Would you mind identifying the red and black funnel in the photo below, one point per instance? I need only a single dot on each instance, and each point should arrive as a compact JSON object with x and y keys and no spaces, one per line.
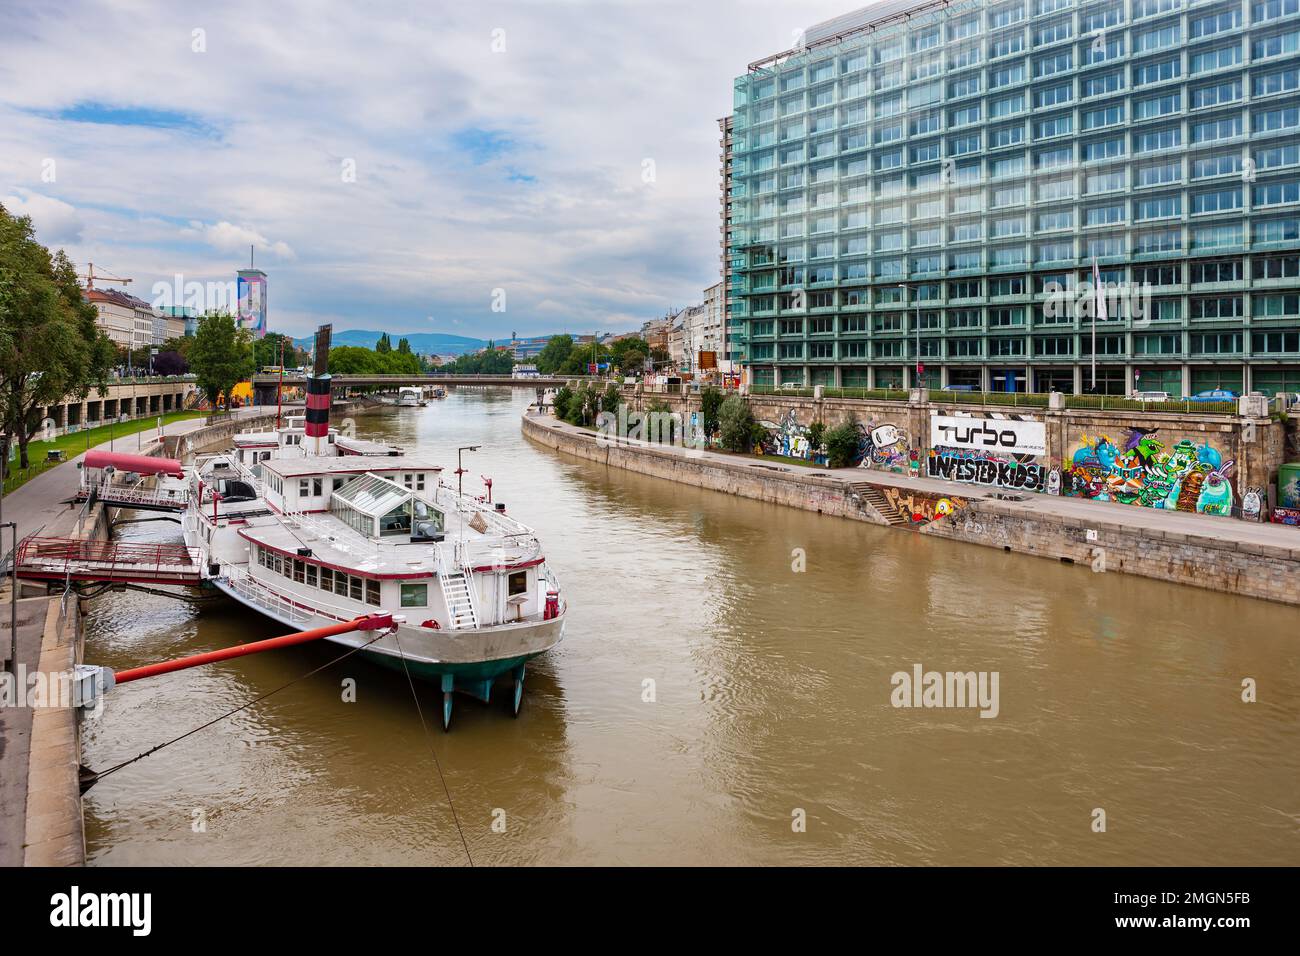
{"x":318,"y":392}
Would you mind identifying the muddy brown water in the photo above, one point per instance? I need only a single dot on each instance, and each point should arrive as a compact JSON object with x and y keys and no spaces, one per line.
{"x":708,"y":696}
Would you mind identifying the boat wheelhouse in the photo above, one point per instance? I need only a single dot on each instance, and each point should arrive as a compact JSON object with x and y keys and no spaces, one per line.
{"x":289,"y":441}
{"x":408,"y":396}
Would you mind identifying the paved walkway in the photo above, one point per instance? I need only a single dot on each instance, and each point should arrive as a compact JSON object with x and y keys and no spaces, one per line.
{"x":1078,"y":509}
{"x":40,"y":505}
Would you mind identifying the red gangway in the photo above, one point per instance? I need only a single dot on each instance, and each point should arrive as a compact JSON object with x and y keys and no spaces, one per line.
{"x":60,"y":559}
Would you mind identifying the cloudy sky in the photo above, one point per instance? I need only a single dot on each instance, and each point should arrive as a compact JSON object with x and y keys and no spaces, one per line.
{"x":393,"y":164}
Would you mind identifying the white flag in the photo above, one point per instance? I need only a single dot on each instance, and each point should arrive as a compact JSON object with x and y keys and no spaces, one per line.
{"x":1099,"y":294}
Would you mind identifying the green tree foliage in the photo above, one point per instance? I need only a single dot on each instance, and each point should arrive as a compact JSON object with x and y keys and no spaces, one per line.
{"x":404,"y":346}
{"x":222,"y":355}
{"x":816,"y":436}
{"x":384,"y":345}
{"x":612,"y":398}
{"x":562,"y":400}
{"x":490,"y":361}
{"x":842,"y":444}
{"x":554,"y":354}
{"x":710,"y":401}
{"x":582,"y":356}
{"x":629,"y":354}
{"x":356,"y":360}
{"x":736,"y":424}
{"x":50,"y":344}
{"x":266,"y":352}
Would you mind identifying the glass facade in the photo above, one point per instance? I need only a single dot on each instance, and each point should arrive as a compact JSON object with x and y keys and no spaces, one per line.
{"x":942,"y":188}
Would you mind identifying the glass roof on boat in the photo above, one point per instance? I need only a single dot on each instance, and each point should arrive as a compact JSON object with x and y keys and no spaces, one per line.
{"x":372,"y":495}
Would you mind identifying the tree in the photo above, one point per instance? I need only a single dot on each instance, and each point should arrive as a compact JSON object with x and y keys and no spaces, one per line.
{"x":267,"y":351}
{"x":554,"y":354}
{"x":736,"y":424}
{"x":50,"y":344}
{"x":710,"y":402}
{"x":222,"y":354}
{"x":561,"y":402}
{"x":385,"y":344}
{"x":404,"y":346}
{"x":170,"y":363}
{"x":842,"y":444}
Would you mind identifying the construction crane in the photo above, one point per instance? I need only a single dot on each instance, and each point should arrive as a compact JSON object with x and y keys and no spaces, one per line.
{"x":90,"y":277}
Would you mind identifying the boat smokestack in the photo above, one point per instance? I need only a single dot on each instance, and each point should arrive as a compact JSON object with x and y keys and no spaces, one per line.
{"x":317,"y":424}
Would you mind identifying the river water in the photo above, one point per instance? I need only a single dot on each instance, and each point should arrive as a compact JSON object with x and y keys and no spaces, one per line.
{"x":713,"y":704}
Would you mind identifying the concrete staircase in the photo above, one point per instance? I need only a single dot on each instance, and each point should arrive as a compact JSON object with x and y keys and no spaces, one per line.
{"x":873,"y":495}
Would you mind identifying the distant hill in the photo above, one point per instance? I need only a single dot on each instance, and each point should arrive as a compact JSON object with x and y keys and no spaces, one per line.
{"x":435,"y":343}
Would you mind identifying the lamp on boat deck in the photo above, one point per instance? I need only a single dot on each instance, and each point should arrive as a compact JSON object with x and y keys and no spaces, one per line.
{"x":460,"y":506}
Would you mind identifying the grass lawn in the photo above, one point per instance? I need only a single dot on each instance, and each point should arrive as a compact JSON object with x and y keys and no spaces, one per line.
{"x":76,"y":443}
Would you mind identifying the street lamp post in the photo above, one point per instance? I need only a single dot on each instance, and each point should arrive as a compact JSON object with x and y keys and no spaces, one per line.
{"x":460,"y":470}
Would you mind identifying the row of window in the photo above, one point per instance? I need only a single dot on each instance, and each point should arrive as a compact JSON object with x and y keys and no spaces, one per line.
{"x":1281,"y":342}
{"x":1262,"y":268}
{"x":767,"y":128}
{"x":350,"y":586}
{"x":1281,"y":305}
{"x":1169,"y":240}
{"x":797,"y":194}
{"x":923,"y":40}
{"x":893,"y":127}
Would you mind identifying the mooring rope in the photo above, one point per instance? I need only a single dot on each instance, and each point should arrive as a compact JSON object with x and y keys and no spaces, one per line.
{"x":95,"y":777}
{"x":433,"y":752}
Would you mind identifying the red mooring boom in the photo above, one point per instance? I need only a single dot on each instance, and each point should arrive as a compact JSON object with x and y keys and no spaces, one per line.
{"x":371,"y":622}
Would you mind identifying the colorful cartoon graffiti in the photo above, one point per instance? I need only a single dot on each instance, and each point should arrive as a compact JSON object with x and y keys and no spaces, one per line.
{"x":920,"y":509}
{"x":883,"y":445}
{"x":982,"y":468}
{"x":1144,"y":472}
{"x":787,"y":437}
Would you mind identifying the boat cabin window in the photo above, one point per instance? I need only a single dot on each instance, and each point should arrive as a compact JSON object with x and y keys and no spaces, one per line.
{"x":310,"y":486}
{"x":518,"y":583}
{"x":414,"y":481}
{"x":415,"y":595}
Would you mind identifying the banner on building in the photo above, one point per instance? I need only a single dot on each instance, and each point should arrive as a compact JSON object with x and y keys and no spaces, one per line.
{"x":1002,"y":436}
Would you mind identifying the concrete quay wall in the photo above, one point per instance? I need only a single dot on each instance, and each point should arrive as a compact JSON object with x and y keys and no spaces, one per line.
{"x":1101,"y":541}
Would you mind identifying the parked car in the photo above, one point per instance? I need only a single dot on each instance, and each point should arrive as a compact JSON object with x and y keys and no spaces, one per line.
{"x":1215,"y":395}
{"x":1150,"y":396}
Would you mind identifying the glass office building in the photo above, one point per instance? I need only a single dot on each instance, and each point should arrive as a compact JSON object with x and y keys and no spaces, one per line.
{"x":937,"y":184}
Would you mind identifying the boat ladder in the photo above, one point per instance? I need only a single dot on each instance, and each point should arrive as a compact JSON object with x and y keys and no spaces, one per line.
{"x":458,"y":591}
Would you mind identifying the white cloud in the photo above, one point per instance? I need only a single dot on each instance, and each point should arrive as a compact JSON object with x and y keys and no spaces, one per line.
{"x":228,"y":237}
{"x":56,"y":222}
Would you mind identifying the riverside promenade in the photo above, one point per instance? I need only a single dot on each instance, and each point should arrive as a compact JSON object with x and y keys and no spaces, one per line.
{"x":40,"y":753}
{"x":1223,"y":554}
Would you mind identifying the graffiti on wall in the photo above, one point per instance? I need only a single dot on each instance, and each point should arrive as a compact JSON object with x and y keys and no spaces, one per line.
{"x":786,"y":437}
{"x":1021,"y":473}
{"x":1001,"y":451}
{"x":883,"y":445}
{"x":920,"y":508}
{"x":1143,"y":470}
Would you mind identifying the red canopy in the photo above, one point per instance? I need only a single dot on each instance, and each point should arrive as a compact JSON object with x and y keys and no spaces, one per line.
{"x":140,"y":464}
